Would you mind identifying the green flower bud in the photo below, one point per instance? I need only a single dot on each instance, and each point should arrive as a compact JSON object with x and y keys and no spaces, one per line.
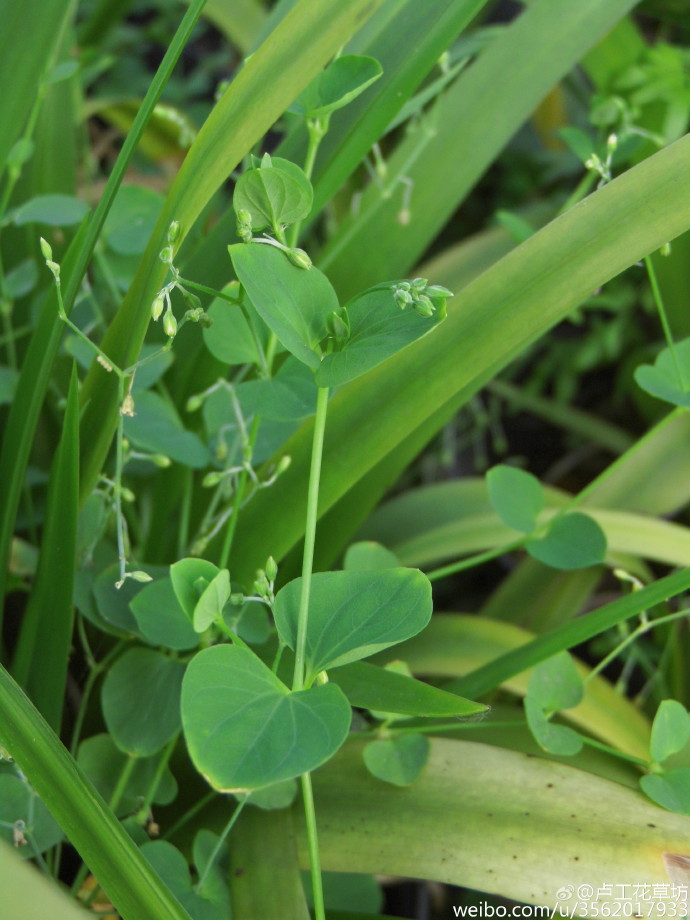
{"x":419,"y":284}
{"x":157,"y":308}
{"x":271,"y":568}
{"x":437,"y":290}
{"x":170,"y":324}
{"x":211,"y":479}
{"x":191,"y":300}
{"x":128,"y":495}
{"x":143,"y":577}
{"x":54,"y":267}
{"x":299,"y":258}
{"x":283,"y":464}
{"x":402,"y":298}
{"x":194,"y":403}
{"x":161,"y":461}
{"x":237,"y":600}
{"x":166,"y":254}
{"x":173,"y":231}
{"x":47,"y":250}
{"x":665,"y":250}
{"x":424,"y":306}
{"x":127,"y":407}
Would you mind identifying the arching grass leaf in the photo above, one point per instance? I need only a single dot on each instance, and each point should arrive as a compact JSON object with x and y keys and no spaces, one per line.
{"x":245,"y":729}
{"x":354,"y":614}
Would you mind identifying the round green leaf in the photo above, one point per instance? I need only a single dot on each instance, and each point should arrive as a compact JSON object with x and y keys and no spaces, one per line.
{"x":555,"y":683}
{"x":131,"y":219}
{"x":291,"y":394}
{"x":272,"y":197}
{"x":378,"y":330}
{"x":670,"y":730}
{"x":186,"y":577}
{"x":369,"y":556}
{"x":54,"y":210}
{"x":208,"y":847}
{"x":244,"y":728}
{"x":293,"y":302}
{"x":229,"y":337}
{"x":172,"y":867}
{"x":113,"y":603}
{"x":209,"y":607}
{"x":397,"y":760}
{"x":354,"y":614}
{"x":156,"y":426}
{"x":141,"y":701}
{"x":670,"y":789}
{"x":556,"y":739}
{"x":271,"y":798}
{"x":342,"y":81}
{"x":516,"y":496}
{"x":103,"y":763}
{"x":20,"y":806}
{"x":574,"y":541}
{"x":661,"y":379}
{"x":160,"y":618}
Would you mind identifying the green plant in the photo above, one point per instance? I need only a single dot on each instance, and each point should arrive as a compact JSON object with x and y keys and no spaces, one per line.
{"x":240,"y":377}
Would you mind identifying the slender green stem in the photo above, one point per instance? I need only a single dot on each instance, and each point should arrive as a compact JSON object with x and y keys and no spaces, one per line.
{"x":600,"y":746}
{"x":212,"y":292}
{"x":659,"y":301}
{"x":221,"y":840}
{"x":188,"y":815}
{"x":635,"y":634}
{"x":316,"y":129}
{"x":310,"y":535}
{"x":239,"y":495}
{"x":313,"y":846}
{"x":163,"y":762}
{"x":477,"y":559}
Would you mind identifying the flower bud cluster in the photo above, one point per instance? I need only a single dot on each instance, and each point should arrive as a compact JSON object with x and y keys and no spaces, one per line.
{"x":423,"y":297}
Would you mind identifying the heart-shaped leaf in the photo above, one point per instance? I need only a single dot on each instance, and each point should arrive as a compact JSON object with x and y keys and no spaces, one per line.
{"x":556,"y":739}
{"x":188,"y":576}
{"x":378,"y":330}
{"x":662,"y":378}
{"x":172,"y":867}
{"x":293,"y":302}
{"x":516,"y":496}
{"x":397,"y":760}
{"x":670,"y":730}
{"x":230,"y":337}
{"x":354,"y":614}
{"x":554,"y":685}
{"x":341,"y":82}
{"x":368,"y":555}
{"x":141,"y":701}
{"x":245,"y":729}
{"x":160,"y":617}
{"x":574,"y":541}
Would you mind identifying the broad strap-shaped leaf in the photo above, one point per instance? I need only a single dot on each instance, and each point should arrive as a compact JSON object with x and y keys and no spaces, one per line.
{"x":141,"y":701}
{"x":341,"y":82}
{"x":574,"y":541}
{"x":516,"y":496}
{"x":379,"y":328}
{"x":354,"y":614}
{"x":245,"y":729}
{"x":293,"y":302}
